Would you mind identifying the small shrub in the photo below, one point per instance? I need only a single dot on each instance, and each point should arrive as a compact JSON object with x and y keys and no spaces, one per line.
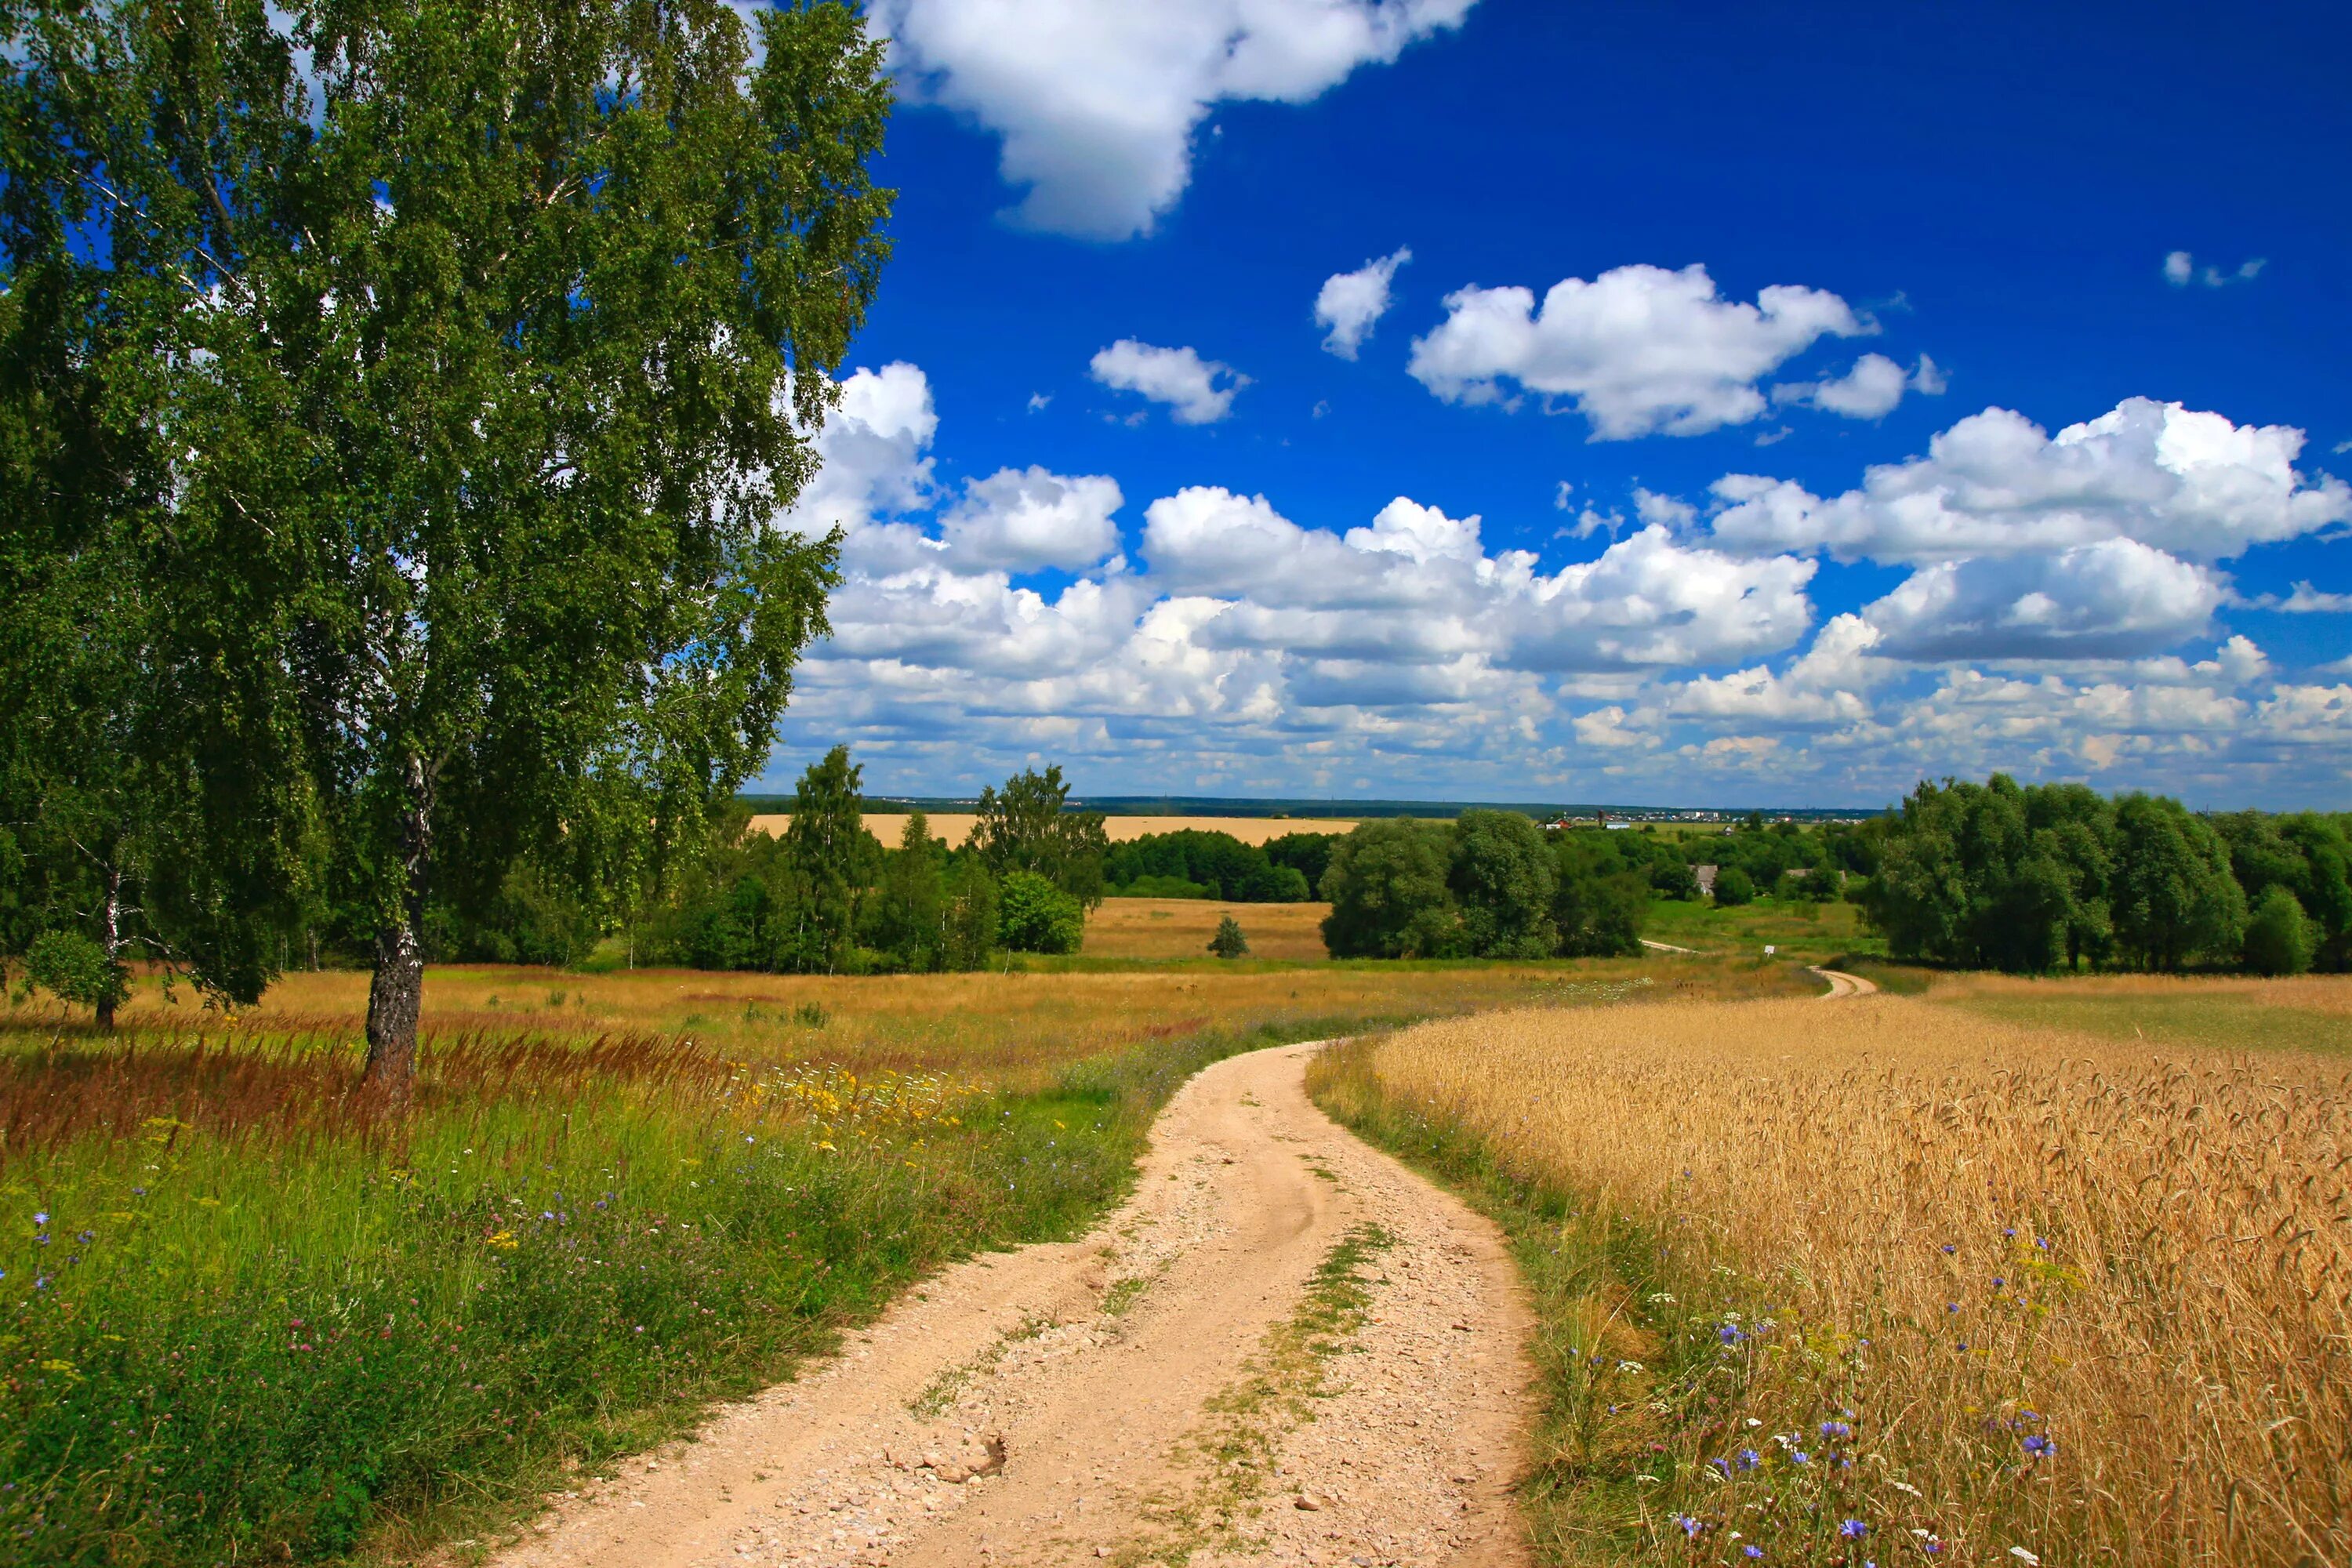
{"x":1035,"y":916}
{"x":72,"y":968}
{"x":1732,"y":887}
{"x":2279,"y":938}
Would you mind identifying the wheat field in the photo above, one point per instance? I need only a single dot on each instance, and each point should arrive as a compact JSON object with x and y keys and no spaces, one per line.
{"x":1945,"y":1287}
{"x":955,"y":827}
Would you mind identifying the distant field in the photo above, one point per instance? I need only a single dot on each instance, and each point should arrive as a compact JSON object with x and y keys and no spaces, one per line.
{"x":955,"y":827}
{"x":1813,"y":931}
{"x":2310,"y":1012}
{"x":1181,"y":928}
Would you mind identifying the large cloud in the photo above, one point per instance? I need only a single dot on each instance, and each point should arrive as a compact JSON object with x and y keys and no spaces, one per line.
{"x":1097,"y":101}
{"x":2108,"y":600}
{"x":2190,"y":483}
{"x":1638,"y":350}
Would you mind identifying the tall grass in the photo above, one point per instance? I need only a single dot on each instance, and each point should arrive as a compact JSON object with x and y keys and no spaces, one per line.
{"x":1881,"y":1281}
{"x":239,"y":1321}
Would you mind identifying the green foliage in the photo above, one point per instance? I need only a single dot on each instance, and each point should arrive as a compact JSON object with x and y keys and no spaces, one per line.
{"x":972,"y":915}
{"x":2174,"y":900}
{"x":1733,"y":888}
{"x":1229,"y":942}
{"x":1035,"y":916}
{"x":1387,"y":888}
{"x":907,"y":917}
{"x":2279,"y":935}
{"x":1599,"y":904}
{"x":1308,"y":854}
{"x":482,"y":381}
{"x":834,"y":861}
{"x":1674,"y":879}
{"x":1217,"y":864}
{"x":1501,"y":874}
{"x":1029,"y":828}
{"x":72,"y":968}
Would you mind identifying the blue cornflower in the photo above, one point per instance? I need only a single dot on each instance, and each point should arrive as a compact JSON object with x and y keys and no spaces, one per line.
{"x":87,"y":1236}
{"x":1691,"y":1527}
{"x":2041,"y":1448}
{"x":1720,"y":1467}
{"x":40,"y":1217}
{"x":1998,"y":1281}
{"x":138,"y":1191}
{"x":1750,"y":1458}
{"x":1951,"y":1306}
{"x":1852,"y":1529}
{"x":2029,"y":1415}
{"x":1798,"y":1455}
{"x":2011,"y":1233}
{"x":1836,"y":1429}
{"x":1730,"y":1333}
{"x":2042,"y":1242}
{"x":1949,"y":1247}
{"x":1751,"y":1551}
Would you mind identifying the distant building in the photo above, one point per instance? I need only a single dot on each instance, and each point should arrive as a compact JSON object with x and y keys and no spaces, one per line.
{"x":1704,"y":876}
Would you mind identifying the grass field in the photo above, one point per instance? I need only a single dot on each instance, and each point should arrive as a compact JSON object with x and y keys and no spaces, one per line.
{"x":1811,"y":931}
{"x":2311,"y":1013}
{"x":240,"y":1320}
{"x":1181,"y":928}
{"x":1893,"y":1279}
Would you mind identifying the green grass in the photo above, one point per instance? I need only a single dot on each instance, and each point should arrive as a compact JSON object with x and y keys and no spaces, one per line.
{"x":1813,"y":933}
{"x":305,"y":1340}
{"x":2229,"y":1021}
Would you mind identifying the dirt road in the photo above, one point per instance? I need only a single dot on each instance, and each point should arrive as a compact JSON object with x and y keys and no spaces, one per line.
{"x":1843,"y":984}
{"x":1286,"y":1348}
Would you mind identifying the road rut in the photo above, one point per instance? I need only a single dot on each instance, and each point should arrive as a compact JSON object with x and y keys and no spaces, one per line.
{"x":1157,"y":1391}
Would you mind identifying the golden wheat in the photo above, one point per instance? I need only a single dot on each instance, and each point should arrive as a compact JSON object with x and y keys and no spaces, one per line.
{"x":2084,"y":1300}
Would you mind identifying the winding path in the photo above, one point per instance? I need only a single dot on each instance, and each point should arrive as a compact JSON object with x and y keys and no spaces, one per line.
{"x":1164,"y":1387}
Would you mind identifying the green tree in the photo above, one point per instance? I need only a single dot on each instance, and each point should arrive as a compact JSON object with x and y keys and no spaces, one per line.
{"x":1308,"y":854}
{"x":1599,"y":902}
{"x":1387,"y":888}
{"x":2174,"y":899}
{"x":909,"y":909}
{"x":1229,"y":942}
{"x":1030,"y":827}
{"x":489,"y":339}
{"x":972,"y":914}
{"x":1035,"y":916}
{"x":2279,"y":936}
{"x":1674,"y":879}
{"x":833,"y":860}
{"x":1502,"y":876}
{"x":1733,"y":888}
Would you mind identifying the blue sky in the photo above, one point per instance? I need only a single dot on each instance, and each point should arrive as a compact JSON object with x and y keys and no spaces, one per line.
{"x":1933,"y":391}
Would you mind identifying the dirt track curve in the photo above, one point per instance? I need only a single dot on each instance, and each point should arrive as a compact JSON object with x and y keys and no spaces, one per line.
{"x":1843,"y":984}
{"x":1182,"y":1383}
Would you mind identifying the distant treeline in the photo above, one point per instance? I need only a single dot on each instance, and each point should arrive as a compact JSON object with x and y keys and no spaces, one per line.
{"x":1197,"y":863}
{"x":1489,"y":884}
{"x":2033,"y":877}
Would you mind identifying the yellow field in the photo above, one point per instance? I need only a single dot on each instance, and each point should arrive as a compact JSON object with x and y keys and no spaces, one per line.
{"x":955,"y":827}
{"x":1181,"y":928}
{"x":1013,"y":1029}
{"x":1965,"y":1240}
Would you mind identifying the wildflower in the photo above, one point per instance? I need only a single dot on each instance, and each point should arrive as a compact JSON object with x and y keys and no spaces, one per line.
{"x":1852,"y":1529}
{"x":40,"y":1217}
{"x":1690,"y":1526}
{"x":1750,"y":1458}
{"x":1949,"y":1247}
{"x":2040,"y":1447}
{"x":1798,"y":1455}
{"x":1998,"y":1281}
{"x":1951,"y":1306}
{"x":2023,"y":1555}
{"x":1751,"y":1551}
{"x":1730,"y":1333}
{"x":1836,"y":1429}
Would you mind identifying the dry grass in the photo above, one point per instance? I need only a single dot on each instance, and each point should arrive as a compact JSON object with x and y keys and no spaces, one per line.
{"x":1013,"y":1031}
{"x":955,"y":827}
{"x":1964,"y":1234}
{"x":1181,"y":928}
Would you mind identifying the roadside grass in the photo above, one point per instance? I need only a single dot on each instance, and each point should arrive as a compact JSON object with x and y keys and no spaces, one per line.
{"x":1883,"y":1280}
{"x":1814,"y":932}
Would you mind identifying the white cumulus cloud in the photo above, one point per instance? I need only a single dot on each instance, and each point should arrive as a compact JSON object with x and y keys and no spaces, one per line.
{"x":2111,"y":599}
{"x":1027,"y":519}
{"x":1350,"y":303}
{"x":1097,"y":101}
{"x":1869,"y":391}
{"x":1197,"y":391}
{"x":1996,"y":483}
{"x":1638,"y":350}
{"x":2180,"y":270}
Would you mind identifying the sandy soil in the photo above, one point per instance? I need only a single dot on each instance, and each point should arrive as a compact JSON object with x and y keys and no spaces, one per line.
{"x":1156,"y":1392}
{"x":955,"y":827}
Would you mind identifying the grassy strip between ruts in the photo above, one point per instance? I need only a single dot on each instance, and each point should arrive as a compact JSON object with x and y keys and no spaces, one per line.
{"x":1603,"y":1341}
{"x":310,"y":1345}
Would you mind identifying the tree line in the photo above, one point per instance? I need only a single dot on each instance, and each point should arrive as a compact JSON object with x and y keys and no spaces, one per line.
{"x":2034,"y":878}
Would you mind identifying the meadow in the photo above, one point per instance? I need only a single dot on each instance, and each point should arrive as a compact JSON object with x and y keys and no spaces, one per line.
{"x":1950,"y":1278}
{"x":241,"y":1318}
{"x":955,"y":827}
